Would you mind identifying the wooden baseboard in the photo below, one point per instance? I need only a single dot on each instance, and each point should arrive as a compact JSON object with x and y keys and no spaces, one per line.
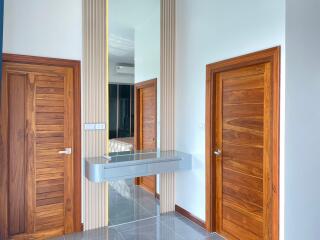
{"x":186,"y":214}
{"x":190,"y":216}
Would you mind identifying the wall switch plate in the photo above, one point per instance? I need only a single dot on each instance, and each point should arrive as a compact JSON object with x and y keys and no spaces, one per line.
{"x":89,"y":126}
{"x":94,"y":126}
{"x":100,"y":126}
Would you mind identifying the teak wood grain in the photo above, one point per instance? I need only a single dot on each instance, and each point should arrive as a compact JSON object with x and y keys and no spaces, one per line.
{"x":17,"y":118}
{"x":145,"y":130}
{"x":242,"y":119}
{"x":30,"y":152}
{"x":48,"y":121}
{"x":4,"y":159}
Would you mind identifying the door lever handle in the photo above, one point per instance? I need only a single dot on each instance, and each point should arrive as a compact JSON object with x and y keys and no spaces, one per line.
{"x":217,"y":152}
{"x":66,"y":151}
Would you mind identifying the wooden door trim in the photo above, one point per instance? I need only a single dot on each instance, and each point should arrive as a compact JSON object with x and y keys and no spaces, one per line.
{"x":137,"y":88}
{"x":4,"y":160}
{"x":272,"y":56}
{"x":75,"y":65}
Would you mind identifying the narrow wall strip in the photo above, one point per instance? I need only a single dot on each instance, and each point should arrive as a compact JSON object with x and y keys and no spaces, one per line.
{"x":94,"y":92}
{"x":167,"y":76}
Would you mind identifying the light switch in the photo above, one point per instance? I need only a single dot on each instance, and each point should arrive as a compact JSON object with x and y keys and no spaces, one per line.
{"x":94,"y":126}
{"x":89,"y":126}
{"x":100,"y":126}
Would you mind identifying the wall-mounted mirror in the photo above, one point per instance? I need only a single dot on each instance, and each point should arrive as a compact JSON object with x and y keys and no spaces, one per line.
{"x":134,"y":102}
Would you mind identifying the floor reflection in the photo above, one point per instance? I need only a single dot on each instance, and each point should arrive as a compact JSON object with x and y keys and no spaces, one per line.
{"x":134,"y":215}
{"x":128,"y":203}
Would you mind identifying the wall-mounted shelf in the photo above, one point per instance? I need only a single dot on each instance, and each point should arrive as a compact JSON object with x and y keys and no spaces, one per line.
{"x":124,"y":165}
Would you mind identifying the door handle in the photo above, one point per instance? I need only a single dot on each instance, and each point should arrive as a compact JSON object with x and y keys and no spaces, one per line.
{"x":217,"y":152}
{"x":66,"y":151}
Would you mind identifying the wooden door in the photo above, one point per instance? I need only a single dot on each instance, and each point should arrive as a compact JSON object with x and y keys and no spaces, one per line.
{"x":40,"y":105}
{"x":146,"y":125}
{"x":244,"y":146}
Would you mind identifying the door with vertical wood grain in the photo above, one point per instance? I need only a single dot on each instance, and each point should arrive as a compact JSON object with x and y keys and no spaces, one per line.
{"x":244,"y":146}
{"x":40,"y":150}
{"x":146,"y":125}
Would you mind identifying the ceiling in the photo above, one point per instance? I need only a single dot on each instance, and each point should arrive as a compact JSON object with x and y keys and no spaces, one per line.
{"x":124,"y":17}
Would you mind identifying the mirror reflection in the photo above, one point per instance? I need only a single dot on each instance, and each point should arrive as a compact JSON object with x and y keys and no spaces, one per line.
{"x":134,"y":86}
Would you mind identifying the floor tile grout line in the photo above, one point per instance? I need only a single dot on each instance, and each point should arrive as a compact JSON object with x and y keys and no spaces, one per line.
{"x":120,"y":233}
{"x":138,"y":220}
{"x":161,"y":223}
{"x":144,"y":218}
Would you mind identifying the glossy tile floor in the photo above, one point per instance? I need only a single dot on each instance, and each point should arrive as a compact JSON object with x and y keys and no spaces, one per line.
{"x":128,"y":203}
{"x":134,"y":215}
{"x":165,"y":227}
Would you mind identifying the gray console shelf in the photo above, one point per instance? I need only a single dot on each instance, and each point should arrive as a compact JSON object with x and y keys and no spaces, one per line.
{"x":124,"y":165}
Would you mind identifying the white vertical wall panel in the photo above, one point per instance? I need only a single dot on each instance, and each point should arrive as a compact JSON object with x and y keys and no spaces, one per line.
{"x":301,"y":195}
{"x":94,"y":109}
{"x":167,"y":76}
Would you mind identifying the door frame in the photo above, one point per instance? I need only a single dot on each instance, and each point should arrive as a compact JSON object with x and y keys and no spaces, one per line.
{"x":137,"y":91}
{"x":272,"y":56}
{"x":75,"y":65}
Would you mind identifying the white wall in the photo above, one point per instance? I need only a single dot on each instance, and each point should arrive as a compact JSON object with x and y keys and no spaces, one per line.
{"x":147,"y":47}
{"x":302,"y":217}
{"x":209,"y":31}
{"x":147,"y":54}
{"x":48,"y":28}
{"x":115,"y":77}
